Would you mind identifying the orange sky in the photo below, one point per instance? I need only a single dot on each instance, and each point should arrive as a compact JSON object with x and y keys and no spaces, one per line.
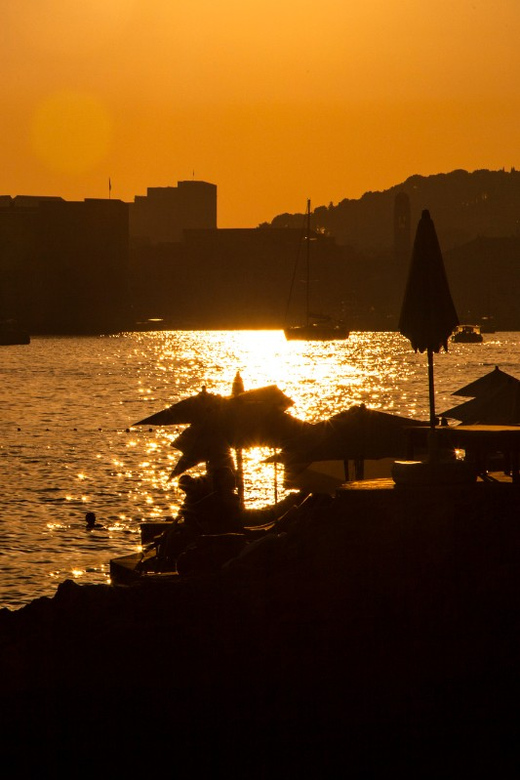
{"x":272,"y":101}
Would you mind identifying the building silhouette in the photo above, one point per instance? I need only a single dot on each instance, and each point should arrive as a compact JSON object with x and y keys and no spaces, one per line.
{"x":229,"y":278}
{"x":64,"y":264}
{"x":165,"y":212}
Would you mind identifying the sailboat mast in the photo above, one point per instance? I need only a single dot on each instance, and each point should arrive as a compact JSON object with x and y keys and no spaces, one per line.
{"x":308,"y":247}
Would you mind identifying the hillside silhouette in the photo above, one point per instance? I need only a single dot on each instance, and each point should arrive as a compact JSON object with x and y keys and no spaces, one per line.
{"x":464,"y":205}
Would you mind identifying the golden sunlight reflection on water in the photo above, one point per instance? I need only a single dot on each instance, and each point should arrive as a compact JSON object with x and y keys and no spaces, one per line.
{"x":68,"y":442}
{"x":322,"y":378}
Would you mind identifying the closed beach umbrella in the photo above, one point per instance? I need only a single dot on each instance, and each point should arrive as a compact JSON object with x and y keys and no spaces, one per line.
{"x":428,"y":316}
{"x":494,"y":380}
{"x":495,"y":407}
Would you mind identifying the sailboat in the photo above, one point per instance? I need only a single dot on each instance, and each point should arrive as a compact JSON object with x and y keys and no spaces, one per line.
{"x":314,"y":328}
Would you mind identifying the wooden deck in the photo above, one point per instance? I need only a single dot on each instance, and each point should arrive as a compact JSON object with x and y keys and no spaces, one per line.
{"x":387,"y":483}
{"x":481,"y":443}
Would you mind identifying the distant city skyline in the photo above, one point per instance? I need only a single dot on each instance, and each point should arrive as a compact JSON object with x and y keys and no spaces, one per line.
{"x":274,"y":101}
{"x":102,"y":265}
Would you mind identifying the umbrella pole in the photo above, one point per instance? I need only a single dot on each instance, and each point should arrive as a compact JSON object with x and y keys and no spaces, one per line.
{"x":275,"y":479}
{"x":237,"y":388}
{"x":240,"y":475}
{"x":431,"y":390}
{"x":432,"y":448}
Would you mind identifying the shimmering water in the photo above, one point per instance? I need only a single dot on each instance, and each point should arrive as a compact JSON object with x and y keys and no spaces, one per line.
{"x":67,"y":445}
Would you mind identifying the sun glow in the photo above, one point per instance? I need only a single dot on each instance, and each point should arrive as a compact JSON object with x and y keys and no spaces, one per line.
{"x":217,"y":86}
{"x":71,"y":132}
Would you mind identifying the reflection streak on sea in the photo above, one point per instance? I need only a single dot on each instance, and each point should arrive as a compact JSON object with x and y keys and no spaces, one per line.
{"x":67,"y":445}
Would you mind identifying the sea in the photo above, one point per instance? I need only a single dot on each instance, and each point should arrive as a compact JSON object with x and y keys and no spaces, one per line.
{"x":69,"y":443}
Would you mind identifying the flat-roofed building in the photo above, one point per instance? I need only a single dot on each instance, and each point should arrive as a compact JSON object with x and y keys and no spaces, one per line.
{"x":64,"y":264}
{"x":164,"y":213}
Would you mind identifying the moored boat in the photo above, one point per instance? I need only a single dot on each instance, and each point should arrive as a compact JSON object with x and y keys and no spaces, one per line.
{"x":314,"y":328}
{"x":317,"y":331}
{"x":467,"y":334}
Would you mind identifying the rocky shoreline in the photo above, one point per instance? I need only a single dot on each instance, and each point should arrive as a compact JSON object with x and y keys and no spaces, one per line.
{"x":380,"y":634}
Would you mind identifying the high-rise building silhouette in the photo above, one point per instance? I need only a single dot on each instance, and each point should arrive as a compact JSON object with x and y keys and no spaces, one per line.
{"x":163,"y":213}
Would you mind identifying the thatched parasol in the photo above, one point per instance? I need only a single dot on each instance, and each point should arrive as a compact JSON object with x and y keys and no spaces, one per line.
{"x":489,"y":383}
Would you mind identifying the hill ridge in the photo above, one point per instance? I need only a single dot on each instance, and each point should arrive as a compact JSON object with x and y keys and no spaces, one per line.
{"x":464,"y":205}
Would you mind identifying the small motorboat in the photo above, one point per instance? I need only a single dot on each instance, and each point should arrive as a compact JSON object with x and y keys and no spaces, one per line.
{"x":467,"y":334}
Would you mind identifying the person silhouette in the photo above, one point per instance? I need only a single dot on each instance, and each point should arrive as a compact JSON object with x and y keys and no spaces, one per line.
{"x":90,"y":519}
{"x":221,"y":513}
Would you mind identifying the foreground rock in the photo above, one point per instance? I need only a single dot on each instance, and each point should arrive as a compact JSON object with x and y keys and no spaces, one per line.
{"x":381,"y":632}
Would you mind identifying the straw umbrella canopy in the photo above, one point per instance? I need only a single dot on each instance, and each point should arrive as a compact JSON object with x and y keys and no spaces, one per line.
{"x":212,"y":442}
{"x":496,"y":407}
{"x":206,"y":407}
{"x":194,"y":409}
{"x":489,"y":383}
{"x":428,"y":316}
{"x":220,"y":423}
{"x":356,"y":434}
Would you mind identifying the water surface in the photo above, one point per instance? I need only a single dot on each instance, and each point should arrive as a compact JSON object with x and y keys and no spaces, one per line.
{"x":67,"y":444}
